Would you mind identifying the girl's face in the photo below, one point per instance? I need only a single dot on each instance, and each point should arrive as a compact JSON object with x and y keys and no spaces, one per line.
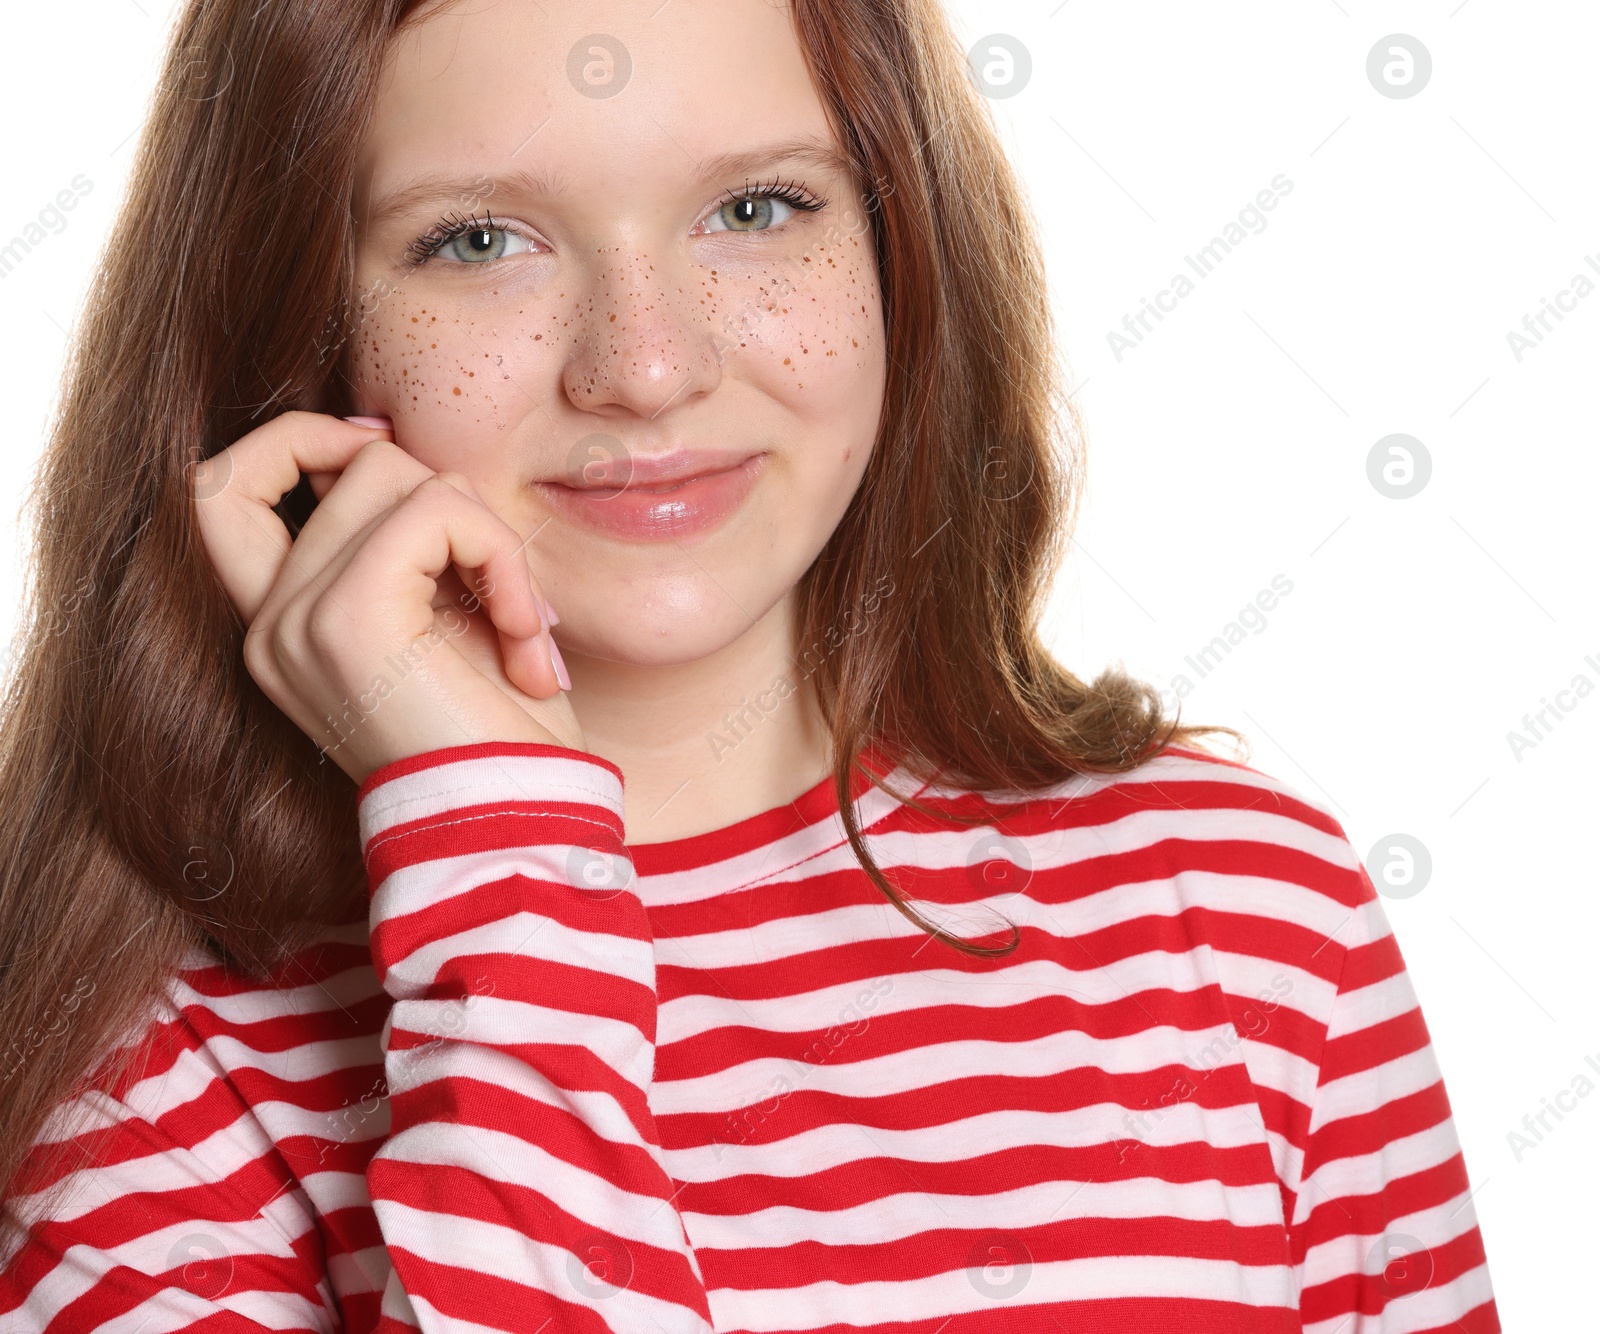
{"x":593,"y":236}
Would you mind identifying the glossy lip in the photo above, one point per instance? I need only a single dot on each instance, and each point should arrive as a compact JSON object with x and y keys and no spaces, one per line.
{"x":696,"y":501}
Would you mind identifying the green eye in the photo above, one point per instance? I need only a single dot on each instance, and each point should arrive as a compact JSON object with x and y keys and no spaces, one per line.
{"x":763,"y":207}
{"x":458,"y":240}
{"x":750,"y":215}
{"x":481,"y":243}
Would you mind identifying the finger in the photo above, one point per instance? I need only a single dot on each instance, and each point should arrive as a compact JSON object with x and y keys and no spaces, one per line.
{"x":533,"y":653}
{"x":373,"y":485}
{"x":379,"y":476}
{"x":473,"y":577}
{"x":462,"y":483}
{"x":235,"y":491}
{"x":322,"y":481}
{"x":408,"y":549}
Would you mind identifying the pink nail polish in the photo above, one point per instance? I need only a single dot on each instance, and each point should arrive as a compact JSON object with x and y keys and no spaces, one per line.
{"x":562,"y":678}
{"x":550,"y":613}
{"x":376,"y":423}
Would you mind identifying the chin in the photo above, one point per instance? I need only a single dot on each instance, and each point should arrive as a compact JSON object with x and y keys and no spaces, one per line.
{"x":665,"y":625}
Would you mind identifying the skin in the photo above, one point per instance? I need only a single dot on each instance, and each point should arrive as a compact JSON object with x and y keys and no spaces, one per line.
{"x":630,"y":303}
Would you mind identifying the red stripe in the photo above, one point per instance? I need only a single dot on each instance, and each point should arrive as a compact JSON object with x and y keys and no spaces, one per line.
{"x":492,"y":827}
{"x":648,"y":1269}
{"x":469,"y":1294}
{"x":433,"y":759}
{"x":943,"y":1250}
{"x":604,"y":913}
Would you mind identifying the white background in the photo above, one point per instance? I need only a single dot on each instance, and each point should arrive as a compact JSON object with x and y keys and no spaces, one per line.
{"x":1231,"y":446}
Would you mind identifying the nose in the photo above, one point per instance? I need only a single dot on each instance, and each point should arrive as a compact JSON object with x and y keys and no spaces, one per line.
{"x":643,"y":344}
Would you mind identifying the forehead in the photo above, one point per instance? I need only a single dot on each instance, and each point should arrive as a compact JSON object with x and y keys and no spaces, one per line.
{"x":628,"y":90}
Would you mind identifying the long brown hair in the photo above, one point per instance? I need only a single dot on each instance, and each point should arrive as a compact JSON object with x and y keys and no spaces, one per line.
{"x":152,"y":799}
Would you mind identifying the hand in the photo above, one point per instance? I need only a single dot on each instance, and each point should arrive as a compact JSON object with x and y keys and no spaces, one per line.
{"x":361,"y":629}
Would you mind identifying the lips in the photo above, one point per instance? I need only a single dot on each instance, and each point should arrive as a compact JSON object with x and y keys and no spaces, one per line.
{"x":674,"y":496}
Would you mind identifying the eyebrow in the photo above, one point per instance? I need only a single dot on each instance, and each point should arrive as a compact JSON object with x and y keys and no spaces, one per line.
{"x":438,"y":189}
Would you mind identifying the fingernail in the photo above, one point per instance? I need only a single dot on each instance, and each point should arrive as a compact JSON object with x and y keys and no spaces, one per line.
{"x":550,"y":613}
{"x":376,"y":423}
{"x":562,"y":678}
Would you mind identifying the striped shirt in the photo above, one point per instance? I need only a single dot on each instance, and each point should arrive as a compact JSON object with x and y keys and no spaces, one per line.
{"x":557,"y":1082}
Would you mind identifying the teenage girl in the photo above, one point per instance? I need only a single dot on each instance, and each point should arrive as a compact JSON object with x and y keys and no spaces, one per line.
{"x":532,"y":797}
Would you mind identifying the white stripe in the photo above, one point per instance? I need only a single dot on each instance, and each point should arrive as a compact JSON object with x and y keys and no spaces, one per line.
{"x":225,"y":1243}
{"x":348,"y":987}
{"x":828,"y":1146}
{"x":1071,"y":845}
{"x":599,"y":1111}
{"x":894,"y":1217}
{"x":1352,"y":1253}
{"x":330,"y":1190}
{"x":219,"y":1155}
{"x":897,"y":993}
{"x":1366,"y":1174}
{"x":175,"y":1308}
{"x":532,"y":936}
{"x":364,"y":1119}
{"x":495,"y":1156}
{"x":1371,"y":1005}
{"x":308,"y":1060}
{"x":1098,"y":1279}
{"x":82,"y":1267}
{"x":442,"y":788}
{"x":424,"y":885}
{"x":807,"y":852}
{"x":500,"y":1023}
{"x":423,"y":1314}
{"x":1432,"y":1308}
{"x":1368,"y":1090}
{"x":1170,"y":767}
{"x":1003,"y":985}
{"x":1277,"y":1069}
{"x":757,"y":1080}
{"x":507,"y":1255}
{"x":78,"y":1270}
{"x":1273,"y":900}
{"x":364,"y":1270}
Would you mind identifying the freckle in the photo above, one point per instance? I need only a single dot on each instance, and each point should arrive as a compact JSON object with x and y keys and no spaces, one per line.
{"x":457,"y":389}
{"x":414,"y":319}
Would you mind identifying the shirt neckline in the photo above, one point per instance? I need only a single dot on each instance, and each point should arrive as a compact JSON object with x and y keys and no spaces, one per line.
{"x":815,"y":804}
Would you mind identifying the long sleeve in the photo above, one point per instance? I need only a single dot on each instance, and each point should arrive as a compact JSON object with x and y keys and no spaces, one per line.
{"x":163,"y":1209}
{"x":1383,"y":1234}
{"x":522,"y":1181}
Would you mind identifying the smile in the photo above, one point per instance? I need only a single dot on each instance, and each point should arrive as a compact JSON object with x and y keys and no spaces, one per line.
{"x":674,"y":510}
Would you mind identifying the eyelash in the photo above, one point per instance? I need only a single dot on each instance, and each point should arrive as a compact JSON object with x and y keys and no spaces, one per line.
{"x":790,"y":192}
{"x":452,"y":225}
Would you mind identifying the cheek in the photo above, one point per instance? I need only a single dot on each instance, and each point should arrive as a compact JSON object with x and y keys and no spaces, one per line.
{"x":440,"y":372}
{"x":809,"y":330}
